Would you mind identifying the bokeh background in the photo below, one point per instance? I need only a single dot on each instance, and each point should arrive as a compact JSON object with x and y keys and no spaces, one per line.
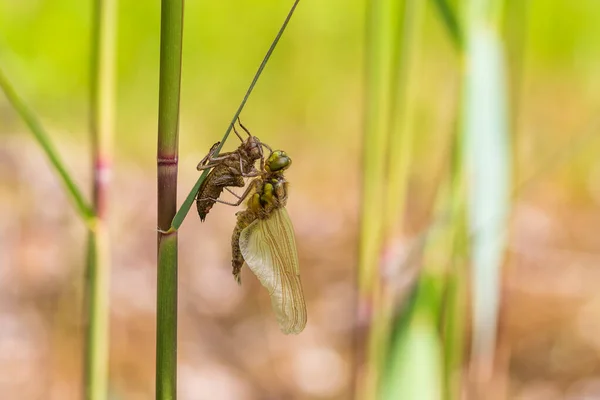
{"x":308,"y":102}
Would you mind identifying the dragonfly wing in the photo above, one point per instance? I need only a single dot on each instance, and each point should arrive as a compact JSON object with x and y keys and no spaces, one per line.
{"x":269,"y":249}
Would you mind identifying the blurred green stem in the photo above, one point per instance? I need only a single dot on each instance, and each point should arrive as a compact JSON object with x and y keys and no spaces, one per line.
{"x":392,"y":38}
{"x":81,"y":205}
{"x":102,"y":78}
{"x":189,"y":200}
{"x":171,"y":36}
{"x":450,"y":20}
{"x":402,"y":116}
{"x":382,"y":20}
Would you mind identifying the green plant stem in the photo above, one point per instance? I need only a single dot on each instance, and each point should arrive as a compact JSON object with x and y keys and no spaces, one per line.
{"x":382,"y":29}
{"x":84,"y":209}
{"x":98,"y":261}
{"x":189,"y":200}
{"x":450,"y":20}
{"x":171,"y":35}
{"x":402,"y":117}
{"x":166,"y":325}
{"x":392,"y":38}
{"x":97,"y":309}
{"x":456,"y":289}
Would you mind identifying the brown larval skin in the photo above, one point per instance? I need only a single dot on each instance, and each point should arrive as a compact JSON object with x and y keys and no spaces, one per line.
{"x":227,"y":173}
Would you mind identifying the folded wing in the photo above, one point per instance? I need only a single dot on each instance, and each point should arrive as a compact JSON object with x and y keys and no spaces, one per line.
{"x":269,"y":249}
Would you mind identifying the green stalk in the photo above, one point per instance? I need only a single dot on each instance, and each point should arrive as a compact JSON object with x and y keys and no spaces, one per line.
{"x":171,"y":35}
{"x":402,"y":116}
{"x":453,"y":307}
{"x":382,"y":26}
{"x":392,"y":42}
{"x":83,"y":208}
{"x":456,"y":289}
{"x":98,"y":259}
{"x":189,"y":200}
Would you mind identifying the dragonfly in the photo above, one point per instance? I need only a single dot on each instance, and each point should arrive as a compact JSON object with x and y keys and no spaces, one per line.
{"x":264,"y":240}
{"x":228,"y":170}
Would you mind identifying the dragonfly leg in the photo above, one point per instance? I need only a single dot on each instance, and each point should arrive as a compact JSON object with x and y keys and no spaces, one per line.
{"x":213,"y":162}
{"x":241,"y":197}
{"x":210,"y":154}
{"x":243,"y":127}
{"x":221,"y":201}
{"x":253,"y":172}
{"x":266,"y":146}
{"x":262,"y":160}
{"x":236,"y":132}
{"x":232,"y":192}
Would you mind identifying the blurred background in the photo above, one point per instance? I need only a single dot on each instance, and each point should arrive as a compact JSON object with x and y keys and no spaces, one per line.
{"x":309,"y":102}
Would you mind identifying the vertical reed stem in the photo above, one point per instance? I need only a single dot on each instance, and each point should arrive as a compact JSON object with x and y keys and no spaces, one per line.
{"x":392,"y":28}
{"x":98,"y":260}
{"x":382,"y":24}
{"x":171,"y":34}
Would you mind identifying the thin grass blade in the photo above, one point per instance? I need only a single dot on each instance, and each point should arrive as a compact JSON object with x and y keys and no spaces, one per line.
{"x":82,"y":206}
{"x":189,"y":200}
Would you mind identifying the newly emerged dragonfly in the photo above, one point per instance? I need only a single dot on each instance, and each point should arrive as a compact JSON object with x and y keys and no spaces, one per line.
{"x":264,"y":239}
{"x":228,"y":169}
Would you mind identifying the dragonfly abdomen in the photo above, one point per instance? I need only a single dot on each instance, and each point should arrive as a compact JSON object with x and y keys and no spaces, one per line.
{"x":244,"y":219}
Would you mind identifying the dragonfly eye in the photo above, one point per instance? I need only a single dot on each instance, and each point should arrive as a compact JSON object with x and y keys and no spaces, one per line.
{"x":278,"y":161}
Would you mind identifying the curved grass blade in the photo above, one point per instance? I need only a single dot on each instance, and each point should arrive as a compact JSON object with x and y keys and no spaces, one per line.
{"x":189,"y":200}
{"x":84,"y":209}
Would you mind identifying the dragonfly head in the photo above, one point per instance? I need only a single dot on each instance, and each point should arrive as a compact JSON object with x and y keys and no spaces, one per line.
{"x":278,"y":161}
